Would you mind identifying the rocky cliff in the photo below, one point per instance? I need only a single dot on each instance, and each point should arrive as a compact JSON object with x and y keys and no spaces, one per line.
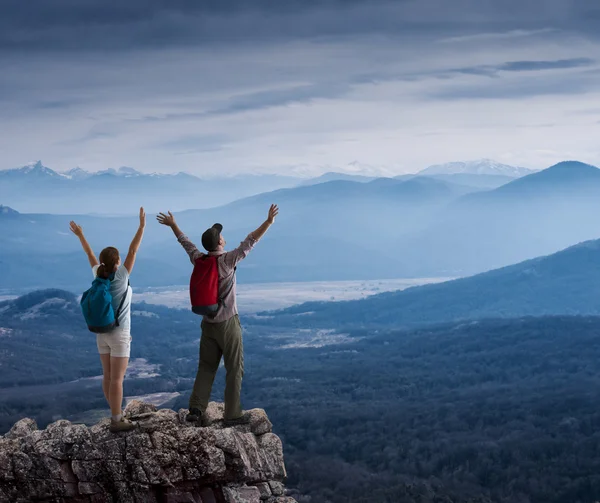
{"x":165,"y":460}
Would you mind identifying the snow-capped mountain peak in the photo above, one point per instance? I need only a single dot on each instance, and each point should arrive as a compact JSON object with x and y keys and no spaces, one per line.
{"x":77,"y":174}
{"x":477,"y":167}
{"x":126,"y":171}
{"x":34,"y":168}
{"x":123,"y":171}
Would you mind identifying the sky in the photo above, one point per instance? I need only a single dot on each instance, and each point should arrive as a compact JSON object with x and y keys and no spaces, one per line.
{"x":298,"y":87}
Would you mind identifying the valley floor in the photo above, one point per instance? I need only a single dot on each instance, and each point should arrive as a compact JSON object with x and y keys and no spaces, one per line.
{"x":257,"y":297}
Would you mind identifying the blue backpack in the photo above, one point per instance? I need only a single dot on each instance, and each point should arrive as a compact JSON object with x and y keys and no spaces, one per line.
{"x":96,"y":304}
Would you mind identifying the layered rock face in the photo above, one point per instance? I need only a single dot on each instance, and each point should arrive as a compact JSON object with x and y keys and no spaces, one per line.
{"x":165,"y":460}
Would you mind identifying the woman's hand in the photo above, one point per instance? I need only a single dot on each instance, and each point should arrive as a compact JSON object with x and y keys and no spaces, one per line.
{"x":76,"y":229}
{"x":273,"y":212}
{"x":142,"y":217}
{"x":168,"y":220}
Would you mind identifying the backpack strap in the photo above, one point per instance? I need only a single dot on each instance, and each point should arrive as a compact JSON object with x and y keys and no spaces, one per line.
{"x":228,"y":289}
{"x":118,"y":313}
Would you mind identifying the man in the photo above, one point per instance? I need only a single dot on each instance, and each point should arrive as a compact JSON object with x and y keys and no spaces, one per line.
{"x":221,"y":334}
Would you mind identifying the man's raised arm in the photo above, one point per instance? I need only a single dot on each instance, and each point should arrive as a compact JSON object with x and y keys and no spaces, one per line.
{"x":190,"y":248}
{"x":260,"y":232}
{"x":241,"y":252}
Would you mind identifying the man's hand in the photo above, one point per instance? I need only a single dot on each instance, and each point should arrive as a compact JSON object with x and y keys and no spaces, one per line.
{"x":273,"y":212}
{"x":168,"y":220}
{"x":76,"y":229}
{"x":260,"y":232}
{"x":142,"y":217}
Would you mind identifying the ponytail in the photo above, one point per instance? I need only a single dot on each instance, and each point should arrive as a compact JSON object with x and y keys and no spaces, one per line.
{"x":109,"y":258}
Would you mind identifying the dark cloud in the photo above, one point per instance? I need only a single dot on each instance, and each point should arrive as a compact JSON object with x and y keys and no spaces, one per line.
{"x":282,"y":97}
{"x":560,"y":64}
{"x":529,"y":88}
{"x":95,"y":25}
{"x":262,"y":100}
{"x":91,"y":24}
{"x":54,"y":104}
{"x":521,"y":66}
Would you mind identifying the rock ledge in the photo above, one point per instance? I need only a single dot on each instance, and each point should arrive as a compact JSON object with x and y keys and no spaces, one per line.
{"x":165,"y":460}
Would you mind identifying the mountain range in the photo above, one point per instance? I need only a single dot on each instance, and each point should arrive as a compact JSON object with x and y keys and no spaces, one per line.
{"x":35,"y":188}
{"x":315,"y":237}
{"x":478,"y":167}
{"x":417,"y":227}
{"x":535,"y":215}
{"x":384,"y":228}
{"x":564,"y":283}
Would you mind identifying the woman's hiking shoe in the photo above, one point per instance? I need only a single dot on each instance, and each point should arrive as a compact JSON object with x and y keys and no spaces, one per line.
{"x":194,"y":416}
{"x":243,"y":419}
{"x":122,"y":425}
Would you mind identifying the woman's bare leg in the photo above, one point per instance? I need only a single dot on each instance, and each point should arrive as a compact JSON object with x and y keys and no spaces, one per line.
{"x":118,"y":367}
{"x":105,"y":359}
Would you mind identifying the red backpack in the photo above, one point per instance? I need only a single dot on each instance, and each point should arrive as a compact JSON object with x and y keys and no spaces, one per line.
{"x":204,"y":286}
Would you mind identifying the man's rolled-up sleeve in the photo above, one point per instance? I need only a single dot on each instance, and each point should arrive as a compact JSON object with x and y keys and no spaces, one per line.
{"x":241,"y":252}
{"x":190,"y":248}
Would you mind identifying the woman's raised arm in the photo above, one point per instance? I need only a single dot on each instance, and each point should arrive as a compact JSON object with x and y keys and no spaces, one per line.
{"x":135,"y":244}
{"x":78,"y":231}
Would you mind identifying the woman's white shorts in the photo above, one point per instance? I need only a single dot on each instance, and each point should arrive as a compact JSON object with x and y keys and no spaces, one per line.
{"x":116,"y":343}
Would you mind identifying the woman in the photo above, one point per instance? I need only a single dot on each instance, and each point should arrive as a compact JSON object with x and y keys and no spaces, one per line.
{"x":115,"y":347}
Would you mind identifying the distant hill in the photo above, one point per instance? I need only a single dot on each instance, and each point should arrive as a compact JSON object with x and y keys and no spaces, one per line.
{"x":478,"y":167}
{"x":565,"y":283}
{"x":480,"y":182}
{"x":5,"y":210}
{"x":535,"y":215}
{"x":331,"y":176}
{"x":565,"y":178}
{"x":40,"y":304}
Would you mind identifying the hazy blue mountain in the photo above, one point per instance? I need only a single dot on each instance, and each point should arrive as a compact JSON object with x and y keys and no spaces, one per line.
{"x":389,"y":227}
{"x":565,"y":283}
{"x":331,"y":176}
{"x":565,"y":179}
{"x":535,"y":215}
{"x":476,"y":181}
{"x":5,"y":210}
{"x":35,"y":188}
{"x":478,"y":167}
{"x":333,"y":230}
{"x":328,"y":231}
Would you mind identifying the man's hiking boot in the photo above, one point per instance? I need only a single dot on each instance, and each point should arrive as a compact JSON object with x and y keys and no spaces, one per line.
{"x":194,"y":416}
{"x":243,"y":419}
{"x":122,"y":425}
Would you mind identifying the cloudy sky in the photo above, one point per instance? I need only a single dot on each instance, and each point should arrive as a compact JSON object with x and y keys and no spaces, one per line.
{"x":298,"y":86}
